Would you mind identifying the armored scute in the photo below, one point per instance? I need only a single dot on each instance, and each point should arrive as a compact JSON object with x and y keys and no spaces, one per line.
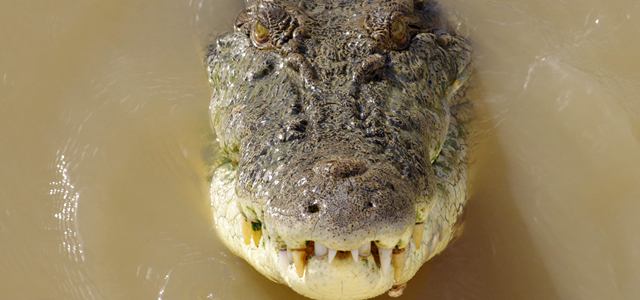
{"x":343,"y":125}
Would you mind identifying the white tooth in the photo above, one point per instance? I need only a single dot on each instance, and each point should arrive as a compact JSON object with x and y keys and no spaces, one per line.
{"x":289,"y":255}
{"x":354,"y":254}
{"x":385,"y":258}
{"x":320,"y":249}
{"x":284,"y":262}
{"x":332,"y":254}
{"x":365,"y":250}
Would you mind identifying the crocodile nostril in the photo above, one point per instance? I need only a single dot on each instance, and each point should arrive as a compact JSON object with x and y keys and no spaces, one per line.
{"x":313,"y":208}
{"x":341,"y":167}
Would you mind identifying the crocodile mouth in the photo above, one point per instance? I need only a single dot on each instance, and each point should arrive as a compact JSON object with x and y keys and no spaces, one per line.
{"x":315,"y":270}
{"x":383,"y":258}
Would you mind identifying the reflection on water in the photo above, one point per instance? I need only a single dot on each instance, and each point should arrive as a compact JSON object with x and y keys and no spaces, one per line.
{"x":66,"y":203}
{"x":105,"y":132}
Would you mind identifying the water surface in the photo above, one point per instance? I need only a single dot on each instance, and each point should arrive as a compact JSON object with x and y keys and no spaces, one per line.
{"x":104,"y":152}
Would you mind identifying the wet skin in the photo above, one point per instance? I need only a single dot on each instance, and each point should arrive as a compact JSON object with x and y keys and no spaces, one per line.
{"x":344,"y":126}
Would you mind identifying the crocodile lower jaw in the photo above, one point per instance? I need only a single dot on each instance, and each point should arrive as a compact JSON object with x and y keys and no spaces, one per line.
{"x":317,"y":275}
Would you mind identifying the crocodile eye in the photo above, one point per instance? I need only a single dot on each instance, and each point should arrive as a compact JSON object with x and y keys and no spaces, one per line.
{"x":260,"y":33}
{"x":399,"y":31}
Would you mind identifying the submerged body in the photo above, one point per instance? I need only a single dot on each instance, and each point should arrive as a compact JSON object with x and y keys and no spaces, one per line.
{"x":343,"y":127}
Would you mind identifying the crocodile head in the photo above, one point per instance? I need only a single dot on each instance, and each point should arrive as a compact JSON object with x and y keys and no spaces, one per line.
{"x":333,"y":116}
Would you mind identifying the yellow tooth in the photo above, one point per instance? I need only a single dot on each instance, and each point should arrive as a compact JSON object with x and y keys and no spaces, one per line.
{"x":256,"y":234}
{"x":418,"y":230}
{"x":246,"y":231}
{"x":299,"y":260}
{"x":398,"y":263}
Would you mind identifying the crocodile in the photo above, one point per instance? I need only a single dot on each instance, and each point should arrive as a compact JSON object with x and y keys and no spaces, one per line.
{"x":343,"y":127}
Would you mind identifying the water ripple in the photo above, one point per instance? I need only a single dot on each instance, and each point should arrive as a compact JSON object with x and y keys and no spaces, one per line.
{"x":66,"y":207}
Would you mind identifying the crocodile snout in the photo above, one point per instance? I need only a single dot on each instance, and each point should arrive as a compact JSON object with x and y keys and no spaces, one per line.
{"x":344,"y":203}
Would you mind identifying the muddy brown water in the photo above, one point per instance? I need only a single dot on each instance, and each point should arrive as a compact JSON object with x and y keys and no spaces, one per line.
{"x":103,"y":123}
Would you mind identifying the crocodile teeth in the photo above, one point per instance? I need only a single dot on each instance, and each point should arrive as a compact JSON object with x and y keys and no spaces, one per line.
{"x":246,"y":231}
{"x":418,"y":230}
{"x":354,"y":254}
{"x":332,"y":254}
{"x":385,"y":258}
{"x":320,"y":249}
{"x":398,"y":263}
{"x":365,"y":250}
{"x":299,"y":260}
{"x":289,"y":255}
{"x":249,"y":233}
{"x":256,"y":234}
{"x":284,"y":261}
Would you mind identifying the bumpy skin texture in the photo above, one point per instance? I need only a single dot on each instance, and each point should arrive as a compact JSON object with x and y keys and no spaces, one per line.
{"x":343,"y":123}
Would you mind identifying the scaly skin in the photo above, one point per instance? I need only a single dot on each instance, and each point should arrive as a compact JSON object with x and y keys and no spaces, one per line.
{"x":341,"y":123}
